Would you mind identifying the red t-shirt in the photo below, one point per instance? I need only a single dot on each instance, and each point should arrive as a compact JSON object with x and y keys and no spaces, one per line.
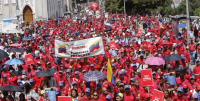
{"x":103,"y":97}
{"x":13,"y":80}
{"x":129,"y":97}
{"x":192,"y":46}
{"x":180,"y":99}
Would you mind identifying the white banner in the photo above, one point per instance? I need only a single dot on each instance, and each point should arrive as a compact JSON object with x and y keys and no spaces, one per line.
{"x":80,"y":48}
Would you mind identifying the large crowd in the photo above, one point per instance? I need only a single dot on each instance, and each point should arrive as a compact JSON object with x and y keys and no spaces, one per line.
{"x":127,"y":60}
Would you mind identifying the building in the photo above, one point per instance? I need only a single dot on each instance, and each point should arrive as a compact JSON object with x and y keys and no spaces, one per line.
{"x":31,"y":10}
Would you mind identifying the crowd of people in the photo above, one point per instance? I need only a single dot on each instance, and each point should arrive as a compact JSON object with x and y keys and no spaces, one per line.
{"x":127,"y":60}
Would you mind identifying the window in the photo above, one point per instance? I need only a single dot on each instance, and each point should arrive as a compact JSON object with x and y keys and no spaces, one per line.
{"x":5,"y":2}
{"x":13,"y":1}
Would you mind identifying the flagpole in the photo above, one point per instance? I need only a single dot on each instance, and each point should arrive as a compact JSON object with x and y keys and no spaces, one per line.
{"x":188,"y":21}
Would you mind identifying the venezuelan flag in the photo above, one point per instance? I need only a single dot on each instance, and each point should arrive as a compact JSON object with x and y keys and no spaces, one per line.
{"x":110,"y":76}
{"x":61,"y":49}
{"x":93,"y":46}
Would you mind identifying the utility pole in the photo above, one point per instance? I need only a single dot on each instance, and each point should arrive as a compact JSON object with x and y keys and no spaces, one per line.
{"x":188,"y":21}
{"x":125,"y":10}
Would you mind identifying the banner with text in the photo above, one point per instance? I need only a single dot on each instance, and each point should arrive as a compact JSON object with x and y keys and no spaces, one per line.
{"x":146,"y":76}
{"x":157,"y":95}
{"x":29,"y":59}
{"x":80,"y":48}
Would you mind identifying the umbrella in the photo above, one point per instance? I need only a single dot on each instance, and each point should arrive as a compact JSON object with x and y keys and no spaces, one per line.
{"x":155,"y":61}
{"x":172,"y":57}
{"x":47,"y":72}
{"x":26,"y":38}
{"x":11,"y":88}
{"x":17,"y":50}
{"x":1,"y":47}
{"x":15,"y":45}
{"x":14,"y":62}
{"x":94,"y":76}
{"x":3,"y":54}
{"x":182,"y":25}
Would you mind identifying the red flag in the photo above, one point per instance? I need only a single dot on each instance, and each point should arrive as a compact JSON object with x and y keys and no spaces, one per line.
{"x":146,"y":45}
{"x":146,"y":76}
{"x":113,"y":26}
{"x":29,"y":59}
{"x":120,"y":29}
{"x":157,"y":95}
{"x":157,"y":40}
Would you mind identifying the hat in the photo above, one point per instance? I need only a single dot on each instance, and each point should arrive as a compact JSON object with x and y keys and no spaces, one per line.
{"x":118,"y":58}
{"x":121,"y":95}
{"x":87,"y":90}
{"x":5,"y":66}
{"x":132,"y":79}
{"x":92,"y":65}
{"x":169,"y":65}
{"x":39,"y":67}
{"x":48,"y":63}
{"x":42,"y":92}
{"x":187,"y":47}
{"x":179,"y":37}
{"x":11,"y":71}
{"x":134,"y":59}
{"x":31,"y":80}
{"x":74,"y":83}
{"x":76,"y":72}
{"x":159,"y":49}
{"x":153,"y":72}
{"x":18,"y":81}
{"x":197,"y":60}
{"x":24,"y":76}
{"x":183,"y":56}
{"x":84,"y":70}
{"x":4,"y":76}
{"x":133,"y":65}
{"x":196,"y":96}
{"x":185,"y":86}
{"x":180,"y":89}
{"x":121,"y":72}
{"x":121,"y":84}
{"x":21,"y":85}
{"x":141,"y":54}
{"x":24,"y":72}
{"x":60,"y":71}
{"x":198,"y":87}
{"x":108,"y":97}
{"x":113,"y":65}
{"x":68,"y":70}
{"x":127,"y":87}
{"x":38,"y":71}
{"x":61,"y":65}
{"x":60,"y":83}
{"x":192,"y":77}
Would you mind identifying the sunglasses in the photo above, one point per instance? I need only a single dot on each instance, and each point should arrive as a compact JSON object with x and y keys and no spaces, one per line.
{"x":95,"y":95}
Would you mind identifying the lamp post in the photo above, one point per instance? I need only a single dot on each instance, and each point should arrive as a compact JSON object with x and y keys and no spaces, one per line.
{"x":125,"y":10}
{"x":188,"y":21}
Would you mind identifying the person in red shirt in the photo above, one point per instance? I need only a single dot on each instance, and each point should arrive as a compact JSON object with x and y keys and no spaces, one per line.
{"x":12,"y":78}
{"x":196,"y":70}
{"x":5,"y":71}
{"x":87,"y":96}
{"x":63,"y":91}
{"x":181,"y":80}
{"x":192,"y":47}
{"x":123,"y":78}
{"x":128,"y":95}
{"x":104,"y":94}
{"x":5,"y":81}
{"x":187,"y":93}
{"x":192,"y":84}
{"x":180,"y":96}
{"x":166,"y":95}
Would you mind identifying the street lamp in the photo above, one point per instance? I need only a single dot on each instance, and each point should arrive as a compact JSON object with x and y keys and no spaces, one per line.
{"x":188,"y":20}
{"x":125,"y":10}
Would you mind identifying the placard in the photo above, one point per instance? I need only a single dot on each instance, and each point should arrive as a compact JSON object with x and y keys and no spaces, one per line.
{"x":29,"y":59}
{"x":147,"y":79}
{"x":112,"y":45}
{"x":64,"y":98}
{"x":171,"y":80}
{"x":157,"y":95}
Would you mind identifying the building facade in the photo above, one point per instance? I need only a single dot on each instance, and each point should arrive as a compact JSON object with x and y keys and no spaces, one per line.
{"x":31,"y":10}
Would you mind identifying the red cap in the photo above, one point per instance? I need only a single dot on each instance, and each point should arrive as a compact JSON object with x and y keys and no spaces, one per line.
{"x":198,"y":87}
{"x":185,"y":86}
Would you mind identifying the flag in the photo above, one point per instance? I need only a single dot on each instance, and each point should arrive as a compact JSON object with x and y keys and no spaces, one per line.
{"x":110,"y":76}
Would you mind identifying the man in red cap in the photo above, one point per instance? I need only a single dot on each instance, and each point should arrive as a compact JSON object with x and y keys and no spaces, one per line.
{"x":187,"y":93}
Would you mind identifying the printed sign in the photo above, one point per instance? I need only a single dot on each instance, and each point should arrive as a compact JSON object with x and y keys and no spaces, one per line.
{"x":80,"y":48}
{"x":157,"y":95}
{"x":120,"y":29}
{"x":146,"y":45}
{"x":171,"y":80}
{"x":29,"y":59}
{"x":64,"y":98}
{"x":112,"y":45}
{"x":51,"y":94}
{"x":146,"y":76}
